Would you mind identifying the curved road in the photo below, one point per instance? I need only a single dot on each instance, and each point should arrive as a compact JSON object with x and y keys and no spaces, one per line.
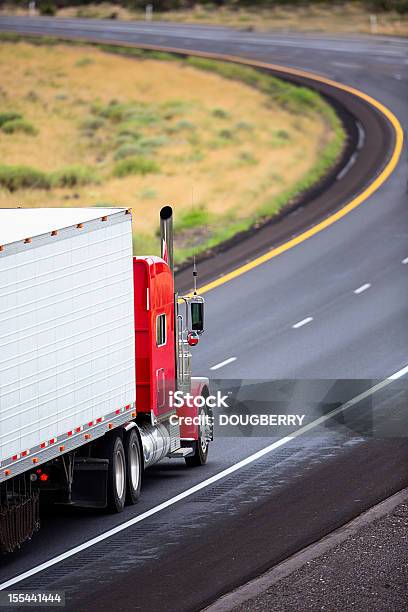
{"x":333,"y":307}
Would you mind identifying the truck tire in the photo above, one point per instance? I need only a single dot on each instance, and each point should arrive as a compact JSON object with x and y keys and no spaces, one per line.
{"x":133,"y":466}
{"x":200,"y":455}
{"x":116,"y":493}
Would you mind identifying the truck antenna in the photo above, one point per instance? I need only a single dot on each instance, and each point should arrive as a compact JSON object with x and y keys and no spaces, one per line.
{"x":195,"y":274}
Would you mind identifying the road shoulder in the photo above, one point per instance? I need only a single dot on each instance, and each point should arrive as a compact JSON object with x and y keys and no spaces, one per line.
{"x":363,"y":562}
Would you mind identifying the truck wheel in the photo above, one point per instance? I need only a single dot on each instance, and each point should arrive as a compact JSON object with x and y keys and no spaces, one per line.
{"x":200,"y":447}
{"x":115,"y":452}
{"x":133,"y":466}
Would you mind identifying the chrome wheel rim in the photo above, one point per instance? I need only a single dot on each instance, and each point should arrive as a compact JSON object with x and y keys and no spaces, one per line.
{"x":203,"y":433}
{"x":119,"y":474}
{"x":134,"y":466}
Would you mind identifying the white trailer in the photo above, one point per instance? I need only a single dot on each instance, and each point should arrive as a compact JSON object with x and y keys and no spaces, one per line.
{"x":67,"y":349}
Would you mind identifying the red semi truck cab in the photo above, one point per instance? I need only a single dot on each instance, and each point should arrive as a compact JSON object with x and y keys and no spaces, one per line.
{"x":155,"y":334}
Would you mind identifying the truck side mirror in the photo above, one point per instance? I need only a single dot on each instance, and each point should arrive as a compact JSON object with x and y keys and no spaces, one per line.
{"x":197,"y":314}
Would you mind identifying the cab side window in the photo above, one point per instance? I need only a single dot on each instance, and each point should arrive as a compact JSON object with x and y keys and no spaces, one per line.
{"x":161,"y":331}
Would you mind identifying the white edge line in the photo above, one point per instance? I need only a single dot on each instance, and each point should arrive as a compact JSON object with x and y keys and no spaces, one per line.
{"x":405,"y":261}
{"x":362,"y":288}
{"x":223,"y":363}
{"x":204,"y":483}
{"x":302,"y":322}
{"x":361,"y":136}
{"x":347,"y":167}
{"x":399,"y":374}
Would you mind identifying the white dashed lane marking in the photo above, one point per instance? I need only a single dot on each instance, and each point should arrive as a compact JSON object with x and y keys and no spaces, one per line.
{"x":302,"y":322}
{"x":223,"y":363}
{"x":362,"y":288}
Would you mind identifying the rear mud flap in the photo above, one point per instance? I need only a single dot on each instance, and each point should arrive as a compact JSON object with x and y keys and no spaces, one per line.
{"x":89,"y":484}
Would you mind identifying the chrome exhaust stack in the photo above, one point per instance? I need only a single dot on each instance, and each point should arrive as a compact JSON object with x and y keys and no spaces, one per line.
{"x":166,"y":236}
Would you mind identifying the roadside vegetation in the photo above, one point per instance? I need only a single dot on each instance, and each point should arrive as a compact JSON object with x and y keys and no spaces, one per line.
{"x":348,"y":16}
{"x":145,"y":137}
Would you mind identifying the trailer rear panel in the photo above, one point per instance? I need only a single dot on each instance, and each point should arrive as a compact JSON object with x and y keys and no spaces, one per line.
{"x":67,"y":356}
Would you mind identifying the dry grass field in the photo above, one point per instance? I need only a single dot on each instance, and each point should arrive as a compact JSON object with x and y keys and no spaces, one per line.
{"x":342,"y":18}
{"x":82,"y":127}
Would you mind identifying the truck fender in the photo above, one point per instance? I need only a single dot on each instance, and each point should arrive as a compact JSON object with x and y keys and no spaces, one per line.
{"x":188,"y":430}
{"x":199,"y":384}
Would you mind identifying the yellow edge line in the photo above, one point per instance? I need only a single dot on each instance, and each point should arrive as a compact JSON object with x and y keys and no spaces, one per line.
{"x":348,"y":207}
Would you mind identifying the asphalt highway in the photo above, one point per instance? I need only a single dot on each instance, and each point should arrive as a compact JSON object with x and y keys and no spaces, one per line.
{"x":333,"y":308}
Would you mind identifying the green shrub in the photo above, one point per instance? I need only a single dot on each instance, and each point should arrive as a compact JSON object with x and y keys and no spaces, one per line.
{"x":31,"y":96}
{"x":116,"y":112}
{"x":185,"y":124}
{"x":84,"y":12}
{"x":173,"y":108}
{"x":283,"y":134}
{"x":92,"y":123}
{"x":127,"y":150}
{"x":129,"y":128}
{"x":146,"y":118}
{"x":136,"y":112}
{"x":48,"y":8}
{"x":244,"y":125}
{"x":122,"y":139}
{"x":197,"y":216}
{"x":84,"y":61}
{"x":74,"y":176}
{"x":19,"y":125}
{"x":226,"y":134}
{"x":220,"y":113}
{"x":130,"y":149}
{"x":142,"y":147}
{"x":23,"y":177}
{"x":135,"y":165}
{"x":304,"y":97}
{"x":9,"y":116}
{"x":154,"y":142}
{"x":401,"y":6}
{"x":247,"y":159}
